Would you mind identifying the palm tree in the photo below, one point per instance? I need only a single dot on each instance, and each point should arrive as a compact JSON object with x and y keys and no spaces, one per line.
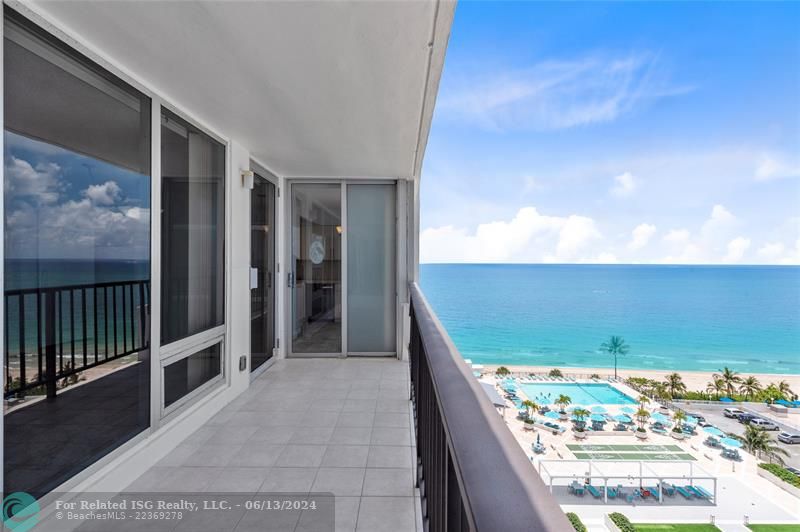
{"x":785,"y":389}
{"x":642,"y":415}
{"x":580,"y":415}
{"x":758,"y":442}
{"x":674,"y":384}
{"x":502,"y":371}
{"x":563,"y":400}
{"x":530,"y":407}
{"x":749,"y":387}
{"x":615,"y":346}
{"x":643,"y":400}
{"x":730,"y":378}
{"x":679,"y":417}
{"x":716,"y":386}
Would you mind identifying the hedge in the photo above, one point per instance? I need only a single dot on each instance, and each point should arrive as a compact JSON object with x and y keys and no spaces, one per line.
{"x":782,"y":473}
{"x":577,"y":524}
{"x":622,"y":522}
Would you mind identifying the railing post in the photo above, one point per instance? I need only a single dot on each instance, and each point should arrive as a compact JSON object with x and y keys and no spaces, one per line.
{"x":50,"y":343}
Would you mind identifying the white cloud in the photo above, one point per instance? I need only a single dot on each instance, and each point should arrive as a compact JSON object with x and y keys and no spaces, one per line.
{"x":711,"y":245}
{"x":736,"y":249}
{"x":104,"y":194}
{"x":558,"y":94}
{"x":38,"y":184}
{"x":39,"y":220}
{"x":775,"y":167}
{"x":719,"y":224}
{"x":772,"y":251}
{"x":624,"y":185}
{"x":641,"y":235}
{"x":528,"y":237}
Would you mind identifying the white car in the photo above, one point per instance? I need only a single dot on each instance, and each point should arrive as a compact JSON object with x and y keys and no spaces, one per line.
{"x":787,"y":437}
{"x":732,"y":412}
{"x":764,"y":424}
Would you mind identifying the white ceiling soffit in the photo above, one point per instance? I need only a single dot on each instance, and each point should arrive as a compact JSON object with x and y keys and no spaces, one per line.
{"x":312,"y":89}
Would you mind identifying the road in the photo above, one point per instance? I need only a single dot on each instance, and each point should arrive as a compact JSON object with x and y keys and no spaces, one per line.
{"x":713,"y":415}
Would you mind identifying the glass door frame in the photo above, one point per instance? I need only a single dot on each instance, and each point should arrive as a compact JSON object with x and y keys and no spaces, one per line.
{"x":262,"y":173}
{"x":288,"y":300}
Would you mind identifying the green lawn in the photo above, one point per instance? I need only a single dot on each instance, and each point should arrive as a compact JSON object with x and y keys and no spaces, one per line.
{"x":774,"y":528}
{"x":689,"y":527}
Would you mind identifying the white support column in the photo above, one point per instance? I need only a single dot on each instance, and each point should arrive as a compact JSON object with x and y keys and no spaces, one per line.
{"x":238,"y":299}
{"x":605,"y":490}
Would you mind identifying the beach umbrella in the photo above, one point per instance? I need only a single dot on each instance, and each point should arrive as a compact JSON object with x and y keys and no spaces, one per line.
{"x":730,"y":442}
{"x":552,"y":414}
{"x":622,"y":418}
{"x":572,"y":408}
{"x":597,"y":417}
{"x":726,"y":400}
{"x":537,"y":438}
{"x":714,"y":431}
{"x":658,"y":416}
{"x":628,"y":410}
{"x":599,"y":409}
{"x":690,"y":420}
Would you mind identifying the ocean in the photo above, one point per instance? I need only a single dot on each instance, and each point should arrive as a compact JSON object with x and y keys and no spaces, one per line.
{"x":687,"y":318}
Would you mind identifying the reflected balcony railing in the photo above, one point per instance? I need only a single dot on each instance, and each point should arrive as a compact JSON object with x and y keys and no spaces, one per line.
{"x":55,"y":333}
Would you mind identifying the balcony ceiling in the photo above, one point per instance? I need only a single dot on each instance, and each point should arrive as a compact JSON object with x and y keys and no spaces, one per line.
{"x":312,"y":89}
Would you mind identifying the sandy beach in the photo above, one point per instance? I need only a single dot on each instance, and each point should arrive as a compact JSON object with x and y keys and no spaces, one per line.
{"x":695,"y":380}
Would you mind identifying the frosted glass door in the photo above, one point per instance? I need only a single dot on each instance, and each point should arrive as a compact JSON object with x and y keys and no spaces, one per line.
{"x":371,"y":263}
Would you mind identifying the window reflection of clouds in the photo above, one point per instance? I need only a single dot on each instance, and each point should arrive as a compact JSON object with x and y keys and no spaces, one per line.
{"x":61,"y":204}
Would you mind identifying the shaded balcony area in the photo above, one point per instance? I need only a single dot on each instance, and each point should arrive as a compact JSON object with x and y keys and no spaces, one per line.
{"x":340,"y":426}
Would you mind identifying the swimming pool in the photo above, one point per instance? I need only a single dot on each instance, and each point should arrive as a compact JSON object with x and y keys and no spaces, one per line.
{"x":579,"y":394}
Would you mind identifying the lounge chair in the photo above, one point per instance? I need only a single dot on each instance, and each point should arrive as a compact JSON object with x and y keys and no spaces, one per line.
{"x":596,"y":493}
{"x":701,"y":493}
{"x":634,"y":496}
{"x":576,"y":488}
{"x":687,"y":493}
{"x":612,"y":492}
{"x":668,"y":489}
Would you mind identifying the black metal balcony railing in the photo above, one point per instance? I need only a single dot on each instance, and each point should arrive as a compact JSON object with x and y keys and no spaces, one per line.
{"x":471,"y":472}
{"x":53,"y":333}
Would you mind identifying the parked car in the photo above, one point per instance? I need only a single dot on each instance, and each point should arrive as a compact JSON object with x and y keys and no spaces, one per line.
{"x":788,"y":437}
{"x":764,"y":424}
{"x":746,"y":417}
{"x":793,"y":470}
{"x":732,"y":412}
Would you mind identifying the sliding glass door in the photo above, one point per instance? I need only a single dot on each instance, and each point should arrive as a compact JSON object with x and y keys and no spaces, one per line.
{"x":316,"y":276}
{"x":262,"y":272}
{"x":342,"y":281}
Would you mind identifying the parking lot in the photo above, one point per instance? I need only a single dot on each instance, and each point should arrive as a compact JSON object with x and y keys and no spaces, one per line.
{"x":713,"y":415}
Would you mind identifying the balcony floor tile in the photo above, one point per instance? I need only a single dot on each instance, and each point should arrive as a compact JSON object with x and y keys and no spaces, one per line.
{"x":307,"y":425}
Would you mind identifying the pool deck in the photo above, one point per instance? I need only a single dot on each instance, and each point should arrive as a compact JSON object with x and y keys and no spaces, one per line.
{"x":741,"y":491}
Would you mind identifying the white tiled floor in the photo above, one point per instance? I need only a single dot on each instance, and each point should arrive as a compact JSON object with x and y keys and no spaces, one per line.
{"x":310,"y":425}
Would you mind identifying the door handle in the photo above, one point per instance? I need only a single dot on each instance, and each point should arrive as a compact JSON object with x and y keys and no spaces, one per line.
{"x":290,"y":279}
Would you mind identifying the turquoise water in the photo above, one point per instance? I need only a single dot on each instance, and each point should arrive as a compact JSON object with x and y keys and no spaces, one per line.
{"x":579,"y":394}
{"x":673,"y":317}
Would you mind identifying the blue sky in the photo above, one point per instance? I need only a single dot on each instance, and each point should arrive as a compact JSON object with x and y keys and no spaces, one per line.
{"x":630,"y":132}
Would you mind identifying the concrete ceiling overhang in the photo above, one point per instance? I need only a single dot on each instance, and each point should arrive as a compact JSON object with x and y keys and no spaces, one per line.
{"x":311,"y":89}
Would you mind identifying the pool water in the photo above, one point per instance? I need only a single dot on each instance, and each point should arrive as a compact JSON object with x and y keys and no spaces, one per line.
{"x":579,"y":394}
